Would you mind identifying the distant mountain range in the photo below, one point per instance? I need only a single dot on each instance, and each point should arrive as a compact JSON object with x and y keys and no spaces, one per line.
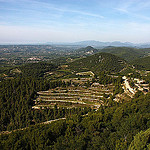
{"x":104,"y":44}
{"x":95,"y":44}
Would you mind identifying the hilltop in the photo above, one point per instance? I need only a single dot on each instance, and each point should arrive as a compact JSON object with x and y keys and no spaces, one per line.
{"x":89,"y":50}
{"x":126,"y":53}
{"x":98,"y":62}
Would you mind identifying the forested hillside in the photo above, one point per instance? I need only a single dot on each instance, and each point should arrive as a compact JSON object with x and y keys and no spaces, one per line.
{"x":142,"y":63}
{"x":36,"y":70}
{"x":111,"y":127}
{"x":99,"y":62}
{"x":102,"y":122}
{"x":126,"y":53}
{"x":18,"y":92}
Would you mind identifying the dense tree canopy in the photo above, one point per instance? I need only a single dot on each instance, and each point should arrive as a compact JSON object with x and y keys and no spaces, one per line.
{"x":113,"y":126}
{"x":108,"y":128}
{"x":99,"y":62}
{"x":141,"y":141}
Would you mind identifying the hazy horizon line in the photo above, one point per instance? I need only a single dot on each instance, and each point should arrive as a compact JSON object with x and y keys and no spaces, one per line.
{"x":66,"y":42}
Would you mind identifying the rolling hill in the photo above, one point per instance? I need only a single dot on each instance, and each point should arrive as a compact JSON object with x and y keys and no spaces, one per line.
{"x":89,"y":50}
{"x":126,"y":53}
{"x":98,"y":62}
{"x":142,"y":63}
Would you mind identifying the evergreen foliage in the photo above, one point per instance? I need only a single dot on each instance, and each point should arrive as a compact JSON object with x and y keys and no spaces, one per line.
{"x":126,"y":53}
{"x":99,"y":62}
{"x":36,"y":69}
{"x":109,"y":128}
{"x":142,"y":63}
{"x":115,"y":126}
{"x":141,"y":141}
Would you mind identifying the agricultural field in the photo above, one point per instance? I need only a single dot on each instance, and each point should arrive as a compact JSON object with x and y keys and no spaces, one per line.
{"x":93,"y":96}
{"x":87,"y":92}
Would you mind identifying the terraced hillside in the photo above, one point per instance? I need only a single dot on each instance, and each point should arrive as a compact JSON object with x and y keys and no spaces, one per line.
{"x":70,"y":97}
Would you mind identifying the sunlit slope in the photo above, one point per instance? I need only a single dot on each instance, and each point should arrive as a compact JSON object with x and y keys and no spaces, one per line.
{"x":126,"y":53}
{"x":142,"y":63}
{"x":99,"y":62}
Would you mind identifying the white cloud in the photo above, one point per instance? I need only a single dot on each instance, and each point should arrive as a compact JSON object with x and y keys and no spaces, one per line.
{"x":32,"y":5}
{"x":39,"y":21}
{"x":133,"y":8}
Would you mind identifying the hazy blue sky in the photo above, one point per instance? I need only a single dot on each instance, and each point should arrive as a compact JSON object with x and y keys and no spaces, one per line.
{"x":74,"y":20}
